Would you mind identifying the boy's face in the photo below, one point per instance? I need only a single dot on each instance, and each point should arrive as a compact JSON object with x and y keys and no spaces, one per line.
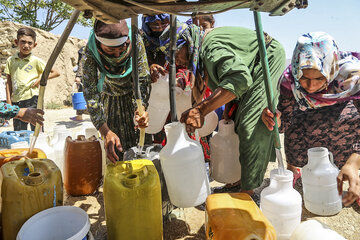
{"x":25,"y":44}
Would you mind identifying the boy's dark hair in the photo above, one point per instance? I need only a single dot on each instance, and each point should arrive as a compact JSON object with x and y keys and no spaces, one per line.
{"x":26,"y":32}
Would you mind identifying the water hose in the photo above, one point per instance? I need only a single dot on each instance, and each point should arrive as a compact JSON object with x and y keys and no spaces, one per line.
{"x":135,"y":75}
{"x":268,"y":88}
{"x":43,"y":81}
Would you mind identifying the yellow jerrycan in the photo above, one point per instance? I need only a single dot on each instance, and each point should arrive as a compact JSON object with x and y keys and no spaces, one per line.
{"x":235,"y":216}
{"x":27,"y":187}
{"x":132,"y":198}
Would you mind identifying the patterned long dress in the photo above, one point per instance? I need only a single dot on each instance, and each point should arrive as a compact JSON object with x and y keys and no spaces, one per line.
{"x":115,"y":104}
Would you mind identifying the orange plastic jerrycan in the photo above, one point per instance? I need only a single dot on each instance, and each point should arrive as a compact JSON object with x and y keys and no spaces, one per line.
{"x":83,"y":163}
{"x":9,"y":155}
{"x":28,"y":187}
{"x":132,"y":198}
{"x":235,"y":216}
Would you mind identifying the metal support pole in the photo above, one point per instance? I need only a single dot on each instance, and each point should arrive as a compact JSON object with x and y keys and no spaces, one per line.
{"x":50,"y":63}
{"x":268,"y":85}
{"x":172,"y":70}
{"x":135,"y":75}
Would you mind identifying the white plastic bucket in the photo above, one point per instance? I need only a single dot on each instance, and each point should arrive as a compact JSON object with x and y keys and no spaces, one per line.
{"x":57,"y":223}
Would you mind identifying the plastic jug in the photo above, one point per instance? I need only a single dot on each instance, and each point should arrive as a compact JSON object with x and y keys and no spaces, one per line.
{"x":25,"y":192}
{"x":87,"y":129}
{"x":56,"y":130}
{"x":182,"y":162}
{"x":59,"y":147}
{"x":132,"y":198}
{"x":9,"y":137}
{"x":42,"y":143}
{"x":313,"y":229}
{"x":319,"y":183}
{"x":19,"y":145}
{"x":8,"y":155}
{"x":159,"y":105}
{"x":235,"y":216}
{"x":82,"y":168}
{"x":224,"y":146}
{"x":210,"y":123}
{"x":183,"y":100}
{"x":152,"y":153}
{"x":281,"y":204}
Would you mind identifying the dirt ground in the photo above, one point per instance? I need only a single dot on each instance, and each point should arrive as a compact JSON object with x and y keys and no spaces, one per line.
{"x":186,"y":224}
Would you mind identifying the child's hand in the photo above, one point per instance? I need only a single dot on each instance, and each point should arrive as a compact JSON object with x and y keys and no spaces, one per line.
{"x":267,"y":117}
{"x":155,"y":71}
{"x":36,"y":83}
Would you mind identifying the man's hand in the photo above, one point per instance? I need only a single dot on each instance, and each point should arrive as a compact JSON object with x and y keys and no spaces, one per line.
{"x":268,"y":118}
{"x":193,"y":119}
{"x":31,"y":115}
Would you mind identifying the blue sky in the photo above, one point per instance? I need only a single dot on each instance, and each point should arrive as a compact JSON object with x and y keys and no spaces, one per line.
{"x":339,"y":20}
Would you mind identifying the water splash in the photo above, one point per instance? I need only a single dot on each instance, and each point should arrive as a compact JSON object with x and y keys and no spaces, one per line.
{"x":280,"y":161}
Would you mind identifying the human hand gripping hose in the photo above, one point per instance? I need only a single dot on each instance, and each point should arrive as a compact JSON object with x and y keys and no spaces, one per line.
{"x":268,"y":88}
{"x":48,"y":67}
{"x":135,"y":75}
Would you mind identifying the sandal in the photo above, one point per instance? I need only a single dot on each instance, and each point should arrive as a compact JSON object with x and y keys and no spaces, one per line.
{"x":297,"y":175}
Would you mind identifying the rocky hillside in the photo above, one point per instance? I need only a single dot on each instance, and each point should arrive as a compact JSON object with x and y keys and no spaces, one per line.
{"x":58,"y":90}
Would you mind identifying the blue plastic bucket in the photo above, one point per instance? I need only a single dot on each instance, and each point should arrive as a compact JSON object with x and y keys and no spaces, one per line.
{"x":78,"y":99}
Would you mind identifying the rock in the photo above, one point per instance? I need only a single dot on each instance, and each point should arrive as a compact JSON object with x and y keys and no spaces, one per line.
{"x":58,"y":90}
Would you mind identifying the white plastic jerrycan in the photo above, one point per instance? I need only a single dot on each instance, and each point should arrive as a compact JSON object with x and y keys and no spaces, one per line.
{"x":87,"y":129}
{"x":318,"y":178}
{"x":59,"y":147}
{"x":56,"y":131}
{"x":281,"y":204}
{"x":42,"y":143}
{"x":159,"y":104}
{"x":210,"y":122}
{"x":183,"y":100}
{"x":313,"y":229}
{"x":224,"y":147}
{"x":182,"y":162}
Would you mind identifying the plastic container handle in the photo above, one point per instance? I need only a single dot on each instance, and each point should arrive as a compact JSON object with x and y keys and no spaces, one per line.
{"x":30,"y":165}
{"x":75,"y":85}
{"x":331,"y":156}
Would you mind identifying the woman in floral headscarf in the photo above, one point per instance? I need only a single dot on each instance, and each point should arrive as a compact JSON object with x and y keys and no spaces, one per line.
{"x":226,"y":59}
{"x":319,"y":105}
{"x":108,"y":85}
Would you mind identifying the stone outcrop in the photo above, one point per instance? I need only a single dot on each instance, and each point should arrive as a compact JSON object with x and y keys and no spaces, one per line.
{"x":58,"y":90}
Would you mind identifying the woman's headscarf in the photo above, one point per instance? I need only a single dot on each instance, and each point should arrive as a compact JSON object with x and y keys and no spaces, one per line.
{"x":151,"y":40}
{"x":318,"y":50}
{"x":111,"y":35}
{"x":185,"y":33}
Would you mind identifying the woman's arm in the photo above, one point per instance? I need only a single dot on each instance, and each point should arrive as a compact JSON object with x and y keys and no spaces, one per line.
{"x":350,"y":172}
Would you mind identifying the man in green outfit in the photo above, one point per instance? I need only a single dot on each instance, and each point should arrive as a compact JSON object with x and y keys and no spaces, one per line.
{"x":230,"y":59}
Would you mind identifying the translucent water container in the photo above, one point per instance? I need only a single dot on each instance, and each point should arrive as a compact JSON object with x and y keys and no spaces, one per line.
{"x":183,"y":165}
{"x":318,"y":178}
{"x":132,"y":198}
{"x":313,"y":229}
{"x":159,"y":105}
{"x":82,"y":168}
{"x":281,"y":203}
{"x":210,"y":123}
{"x":224,"y":146}
{"x":28,"y":187}
{"x":235,"y":216}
